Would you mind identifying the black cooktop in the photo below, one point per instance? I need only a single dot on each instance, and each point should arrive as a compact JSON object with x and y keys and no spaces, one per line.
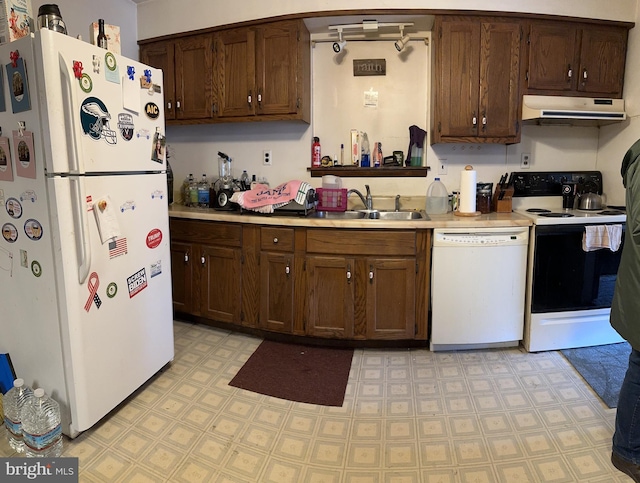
{"x":549,"y":183}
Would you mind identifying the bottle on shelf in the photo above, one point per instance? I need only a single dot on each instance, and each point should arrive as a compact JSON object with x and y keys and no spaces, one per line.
{"x":316,"y":153}
{"x":365,"y":159}
{"x":437,"y":198}
{"x":203,"y":192}
{"x":13,"y":402}
{"x":41,"y":427}
{"x":101,"y":40}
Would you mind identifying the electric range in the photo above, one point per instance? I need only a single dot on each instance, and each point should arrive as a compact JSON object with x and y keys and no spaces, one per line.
{"x":569,"y":287}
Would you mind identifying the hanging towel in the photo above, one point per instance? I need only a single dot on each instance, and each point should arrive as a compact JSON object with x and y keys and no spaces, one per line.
{"x":264,"y":199}
{"x":596,"y":237}
{"x":104,"y":211}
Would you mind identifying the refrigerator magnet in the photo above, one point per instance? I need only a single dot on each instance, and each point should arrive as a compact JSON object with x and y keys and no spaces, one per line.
{"x":18,"y":86}
{"x":24,"y":259}
{"x":156,"y":268}
{"x":92,"y":285}
{"x":33,"y":229}
{"x":126,"y":126}
{"x":158,"y":151}
{"x":25,"y":162}
{"x":112,"y":72}
{"x":112,"y":290}
{"x":94,"y":117}
{"x":9,"y":232}
{"x":14,"y":208}
{"x":6,"y":167}
{"x":36,"y":269}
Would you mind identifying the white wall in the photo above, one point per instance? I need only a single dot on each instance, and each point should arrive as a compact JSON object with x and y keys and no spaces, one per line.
{"x":78,"y":15}
{"x":551,"y":148}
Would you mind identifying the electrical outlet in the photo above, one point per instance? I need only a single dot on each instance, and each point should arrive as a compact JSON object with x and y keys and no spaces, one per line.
{"x":267,"y":159}
{"x":525,"y":161}
{"x":442,"y":166}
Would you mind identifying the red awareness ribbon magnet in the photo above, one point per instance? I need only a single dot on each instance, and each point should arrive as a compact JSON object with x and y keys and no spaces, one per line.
{"x":14,"y":56}
{"x":77,"y":68}
{"x":92,"y":285}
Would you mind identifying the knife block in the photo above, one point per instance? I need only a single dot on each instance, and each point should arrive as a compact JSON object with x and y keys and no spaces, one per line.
{"x":503,"y":205}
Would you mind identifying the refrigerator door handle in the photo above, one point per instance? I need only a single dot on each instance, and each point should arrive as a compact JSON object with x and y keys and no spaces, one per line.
{"x":80,"y":222}
{"x":69,"y":119}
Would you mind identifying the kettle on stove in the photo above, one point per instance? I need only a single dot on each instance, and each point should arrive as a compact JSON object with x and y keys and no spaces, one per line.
{"x":589,"y":201}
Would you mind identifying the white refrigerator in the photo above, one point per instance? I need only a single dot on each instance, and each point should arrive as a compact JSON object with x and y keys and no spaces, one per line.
{"x":85,"y":281}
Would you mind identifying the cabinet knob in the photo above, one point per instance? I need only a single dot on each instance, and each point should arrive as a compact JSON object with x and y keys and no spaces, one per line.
{"x":474,"y":119}
{"x":275,"y":240}
{"x":202,"y":259}
{"x":584,"y":75}
{"x":569,"y":72}
{"x":249,"y":99}
{"x":169,"y":105}
{"x":370,"y":273}
{"x":287,"y":270}
{"x":186,"y":257}
{"x":348,"y":273}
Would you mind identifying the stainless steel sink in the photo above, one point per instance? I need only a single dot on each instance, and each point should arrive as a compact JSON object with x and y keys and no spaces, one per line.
{"x":369,"y":214}
{"x":338,"y":215}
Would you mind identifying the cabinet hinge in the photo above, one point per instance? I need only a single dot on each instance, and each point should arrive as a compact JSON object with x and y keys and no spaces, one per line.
{"x":529,"y":39}
{"x":526,"y":76}
{"x":242,"y":258}
{"x":304,"y":266}
{"x":298,"y":102}
{"x":440,"y":33}
{"x":416,"y":267}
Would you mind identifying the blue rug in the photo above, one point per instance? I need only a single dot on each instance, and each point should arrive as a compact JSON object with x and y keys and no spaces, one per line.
{"x":603,"y":367}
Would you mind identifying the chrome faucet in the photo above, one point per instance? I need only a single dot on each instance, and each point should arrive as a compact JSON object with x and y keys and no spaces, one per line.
{"x":368,"y":201}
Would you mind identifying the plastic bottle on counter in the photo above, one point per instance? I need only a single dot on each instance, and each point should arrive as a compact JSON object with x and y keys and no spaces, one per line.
{"x":184,"y":190}
{"x":41,"y":427}
{"x":437,"y":198}
{"x":193,"y":192}
{"x":203,"y":192}
{"x":365,"y":159}
{"x":245,"y":183}
{"x":13,"y":402}
{"x":377,"y":155}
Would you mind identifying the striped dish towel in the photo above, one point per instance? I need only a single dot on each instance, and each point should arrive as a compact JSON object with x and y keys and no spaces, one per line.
{"x":596,"y":237}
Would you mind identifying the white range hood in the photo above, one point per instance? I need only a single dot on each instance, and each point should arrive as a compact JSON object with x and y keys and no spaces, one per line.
{"x":572,"y":110}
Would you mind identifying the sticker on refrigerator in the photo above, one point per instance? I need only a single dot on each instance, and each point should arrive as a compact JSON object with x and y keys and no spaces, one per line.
{"x":6,"y":166}
{"x":156,"y":268}
{"x":112,"y":290}
{"x":152,"y":110}
{"x":112,"y":72}
{"x":86,"y":84}
{"x":36,"y":269}
{"x":14,"y":208}
{"x":33,"y":229}
{"x":159,"y":194}
{"x":92,"y":285}
{"x":9,"y":232}
{"x":117,"y":247}
{"x":28,"y":195}
{"x":18,"y":84}
{"x":125,"y":126}
{"x":94,"y":117}
{"x":154,"y":238}
{"x":137,"y":282}
{"x":25,"y":154}
{"x":158,"y":150}
{"x":24,"y":259}
{"x":128,"y":205}
{"x":143,"y":133}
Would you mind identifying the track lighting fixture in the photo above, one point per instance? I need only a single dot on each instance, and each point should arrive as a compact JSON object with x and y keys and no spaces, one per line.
{"x":400,"y":44}
{"x":338,"y":46}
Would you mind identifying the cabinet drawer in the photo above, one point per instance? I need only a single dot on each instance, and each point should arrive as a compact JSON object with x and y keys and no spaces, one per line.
{"x":211,"y":233}
{"x":361,"y":242}
{"x":276,"y":239}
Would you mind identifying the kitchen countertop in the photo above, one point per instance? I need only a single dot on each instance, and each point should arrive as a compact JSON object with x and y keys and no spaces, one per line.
{"x":448,"y":220}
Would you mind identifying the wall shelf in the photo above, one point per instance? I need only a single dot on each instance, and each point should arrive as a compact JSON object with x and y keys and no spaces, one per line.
{"x":381,"y":172}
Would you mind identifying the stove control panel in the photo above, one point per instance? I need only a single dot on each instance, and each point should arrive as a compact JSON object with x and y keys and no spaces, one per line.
{"x":549,"y":183}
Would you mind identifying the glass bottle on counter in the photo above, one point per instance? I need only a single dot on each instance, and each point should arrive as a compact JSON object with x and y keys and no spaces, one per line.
{"x":184,"y":191}
{"x":203,"y":192}
{"x":193,"y":192}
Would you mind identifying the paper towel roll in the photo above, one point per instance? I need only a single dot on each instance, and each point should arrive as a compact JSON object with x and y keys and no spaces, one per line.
{"x":467,"y":202}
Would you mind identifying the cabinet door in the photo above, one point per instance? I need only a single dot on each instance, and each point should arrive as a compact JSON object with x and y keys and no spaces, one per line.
{"x":182,"y":277}
{"x":553,"y":57}
{"x":459,"y":71}
{"x":220,"y":283}
{"x":391,"y":298}
{"x":161,"y":56}
{"x":276,"y":68}
{"x":602,"y":60}
{"x":276,"y":291}
{"x":499,"y":105}
{"x":236,"y":73}
{"x":331,"y":282}
{"x":194,"y":77}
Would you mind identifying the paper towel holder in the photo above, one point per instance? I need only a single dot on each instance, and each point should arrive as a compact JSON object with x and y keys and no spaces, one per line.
{"x":468,"y":167}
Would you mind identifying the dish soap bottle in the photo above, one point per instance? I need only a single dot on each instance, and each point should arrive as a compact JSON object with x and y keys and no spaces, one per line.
{"x":437,"y":198}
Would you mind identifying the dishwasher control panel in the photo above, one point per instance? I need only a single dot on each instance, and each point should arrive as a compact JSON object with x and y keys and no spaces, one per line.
{"x":480,"y":237}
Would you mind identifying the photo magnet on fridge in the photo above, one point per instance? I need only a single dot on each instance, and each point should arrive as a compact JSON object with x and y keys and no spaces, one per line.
{"x":6,"y":166}
{"x":158,"y":151}
{"x":24,"y":153}
{"x":18,"y":86}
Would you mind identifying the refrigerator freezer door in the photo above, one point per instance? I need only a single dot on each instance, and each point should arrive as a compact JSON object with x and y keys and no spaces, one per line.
{"x":117,"y":325}
{"x":103,"y":113}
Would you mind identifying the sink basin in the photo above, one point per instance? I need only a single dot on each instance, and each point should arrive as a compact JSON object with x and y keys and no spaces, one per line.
{"x":371,"y":215}
{"x":338,"y":215}
{"x":396,"y":215}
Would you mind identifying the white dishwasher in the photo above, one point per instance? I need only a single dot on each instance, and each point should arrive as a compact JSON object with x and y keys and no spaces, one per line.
{"x":478,"y":280}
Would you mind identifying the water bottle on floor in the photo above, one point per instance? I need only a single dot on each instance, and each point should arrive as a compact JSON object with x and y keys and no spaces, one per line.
{"x":13,"y":402}
{"x":41,"y":428}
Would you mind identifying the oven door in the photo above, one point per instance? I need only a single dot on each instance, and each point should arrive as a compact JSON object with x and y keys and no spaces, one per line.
{"x":567,"y":278}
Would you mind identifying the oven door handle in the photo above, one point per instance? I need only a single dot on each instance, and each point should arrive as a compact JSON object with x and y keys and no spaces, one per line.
{"x":569,"y":228}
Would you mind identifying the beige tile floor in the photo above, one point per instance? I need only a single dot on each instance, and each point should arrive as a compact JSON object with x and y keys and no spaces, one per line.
{"x":408,"y":416}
